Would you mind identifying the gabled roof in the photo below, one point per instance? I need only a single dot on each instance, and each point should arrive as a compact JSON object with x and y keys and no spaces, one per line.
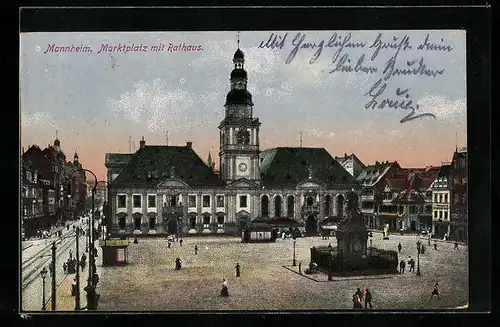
{"x":153,"y":164}
{"x":372,"y":174}
{"x":287,"y":167}
{"x":118,"y":158}
{"x":397,"y":184}
{"x":352,"y":156}
{"x":444,"y":171}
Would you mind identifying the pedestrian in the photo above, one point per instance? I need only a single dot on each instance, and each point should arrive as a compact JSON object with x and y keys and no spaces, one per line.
{"x":356,"y":301}
{"x":300,"y":268}
{"x":368,"y":298}
{"x":435,"y":245}
{"x":399,"y":247}
{"x":435,"y":291}
{"x":383,"y":233}
{"x":65,"y":267}
{"x":402,"y":267}
{"x":411,"y":263}
{"x":224,"y":291}
{"x":359,"y":293}
{"x":422,"y":250}
{"x":95,"y":279}
{"x":180,"y":242}
{"x":178,"y":264}
{"x":237,"y":269}
{"x":51,"y":269}
{"x":70,"y":254}
{"x":456,"y":246}
{"x":169,"y":244}
{"x":196,"y":249}
{"x":73,"y":287}
{"x":135,"y":240}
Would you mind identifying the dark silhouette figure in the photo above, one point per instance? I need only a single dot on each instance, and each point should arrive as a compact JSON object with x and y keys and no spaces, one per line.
{"x":237,"y":269}
{"x":399,"y":247}
{"x":368,"y":299}
{"x":196,"y":249}
{"x":359,"y":293}
{"x":422,"y":250}
{"x":180,"y":242}
{"x":73,"y":288}
{"x":178,"y":264}
{"x":402,"y":267}
{"x":456,"y":246}
{"x":135,"y":240}
{"x":435,"y":291}
{"x":169,"y":244}
{"x":224,"y":291}
{"x":65,"y":266}
{"x":435,"y":245}
{"x":411,"y":263}
{"x":300,"y":268}
{"x":356,"y":301}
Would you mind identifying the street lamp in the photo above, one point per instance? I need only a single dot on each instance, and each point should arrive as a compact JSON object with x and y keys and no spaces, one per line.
{"x":294,"y":263}
{"x":419,"y":247}
{"x":90,"y":288}
{"x":43,"y":274}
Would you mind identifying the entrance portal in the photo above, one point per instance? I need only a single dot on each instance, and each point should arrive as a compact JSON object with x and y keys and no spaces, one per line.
{"x":311,"y":226}
{"x":242,"y":223}
{"x":152,"y":222}
{"x":137,"y":223}
{"x":172,"y":225}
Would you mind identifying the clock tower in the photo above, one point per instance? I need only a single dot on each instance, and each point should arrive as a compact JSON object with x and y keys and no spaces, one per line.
{"x":239,"y":130}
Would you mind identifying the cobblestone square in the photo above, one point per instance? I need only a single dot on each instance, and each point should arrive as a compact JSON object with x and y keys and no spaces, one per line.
{"x":268,"y":282}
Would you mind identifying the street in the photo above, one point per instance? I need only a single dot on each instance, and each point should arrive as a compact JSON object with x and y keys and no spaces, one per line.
{"x":37,"y":256}
{"x":268,"y":282}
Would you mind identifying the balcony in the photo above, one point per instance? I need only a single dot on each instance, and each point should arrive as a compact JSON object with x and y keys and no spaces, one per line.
{"x":312,"y":209}
{"x":176,"y":210}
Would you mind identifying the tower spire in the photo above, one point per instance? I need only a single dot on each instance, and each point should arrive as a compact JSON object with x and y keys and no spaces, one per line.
{"x":238,"y":38}
{"x":56,"y":135}
{"x":300,"y":139}
{"x":456,"y":141}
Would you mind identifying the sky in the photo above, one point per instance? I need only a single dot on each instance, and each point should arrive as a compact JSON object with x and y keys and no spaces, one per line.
{"x":97,"y":100}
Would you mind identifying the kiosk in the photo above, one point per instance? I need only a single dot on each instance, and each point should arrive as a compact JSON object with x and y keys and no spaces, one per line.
{"x":114,"y":252}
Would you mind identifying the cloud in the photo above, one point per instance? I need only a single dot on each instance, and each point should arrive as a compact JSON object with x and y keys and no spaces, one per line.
{"x":157,"y":105}
{"x":38,"y":119}
{"x":442,"y":107}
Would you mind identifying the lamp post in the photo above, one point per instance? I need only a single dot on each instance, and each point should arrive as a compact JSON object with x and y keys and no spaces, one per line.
{"x":90,"y":288}
{"x":43,"y":274}
{"x":53,"y":297}
{"x":419,"y":247}
{"x":77,"y":296}
{"x":294,"y":263}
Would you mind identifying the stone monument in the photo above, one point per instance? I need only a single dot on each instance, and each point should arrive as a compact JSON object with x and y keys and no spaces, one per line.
{"x":352,"y":235}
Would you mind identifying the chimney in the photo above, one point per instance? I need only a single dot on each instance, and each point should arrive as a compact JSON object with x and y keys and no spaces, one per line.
{"x":142,"y":143}
{"x":345,"y":155}
{"x":189,"y":144}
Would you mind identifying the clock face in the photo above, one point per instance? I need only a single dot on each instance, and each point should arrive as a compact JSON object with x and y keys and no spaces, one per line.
{"x":242,"y":166}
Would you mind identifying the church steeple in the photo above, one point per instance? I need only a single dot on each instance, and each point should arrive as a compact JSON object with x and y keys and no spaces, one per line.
{"x":209,"y":160}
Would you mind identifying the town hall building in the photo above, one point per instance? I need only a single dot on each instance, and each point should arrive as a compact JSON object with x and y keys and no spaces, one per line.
{"x":170,"y":189}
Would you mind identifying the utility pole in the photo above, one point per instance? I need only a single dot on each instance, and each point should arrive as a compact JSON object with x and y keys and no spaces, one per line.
{"x":77,"y":297}
{"x":53,"y":300}
{"x":300,"y":139}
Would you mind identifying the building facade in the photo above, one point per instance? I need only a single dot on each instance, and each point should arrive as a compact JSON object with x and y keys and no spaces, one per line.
{"x":441,"y":200}
{"x":458,"y":206}
{"x":169,"y":189}
{"x":376,"y":208}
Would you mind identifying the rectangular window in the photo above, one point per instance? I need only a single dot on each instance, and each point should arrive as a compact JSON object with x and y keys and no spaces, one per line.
{"x":137,"y":201}
{"x":440,"y":198}
{"x":122,"y":201}
{"x":446,"y":198}
{"x":151,"y":201}
{"x":435,"y":197}
{"x":206,"y":221}
{"x":435,"y":214}
{"x":243,"y":201}
{"x":192,"y":201}
{"x":440,"y":214}
{"x":220,"y":201}
{"x":446,"y":215}
{"x":206,"y":201}
{"x":220,"y":221}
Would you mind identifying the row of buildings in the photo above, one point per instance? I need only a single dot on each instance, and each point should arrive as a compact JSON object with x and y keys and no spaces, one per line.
{"x":170,"y":189}
{"x":432,"y":199}
{"x":51,"y":191}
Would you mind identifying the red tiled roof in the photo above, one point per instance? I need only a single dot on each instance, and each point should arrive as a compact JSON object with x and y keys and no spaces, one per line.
{"x":397,"y":183}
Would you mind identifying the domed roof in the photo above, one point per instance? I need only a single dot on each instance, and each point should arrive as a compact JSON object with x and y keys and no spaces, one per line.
{"x":239,"y":54}
{"x":57,"y":142}
{"x":239,"y":97}
{"x":238,"y":73}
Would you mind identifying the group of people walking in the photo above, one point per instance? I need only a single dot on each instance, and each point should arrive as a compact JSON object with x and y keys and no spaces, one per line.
{"x":362,"y":296}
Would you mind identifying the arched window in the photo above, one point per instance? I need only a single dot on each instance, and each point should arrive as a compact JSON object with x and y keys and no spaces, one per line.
{"x":328,"y":206}
{"x":340,"y":205}
{"x":291,"y":206}
{"x":264,"y":206}
{"x":277,"y":206}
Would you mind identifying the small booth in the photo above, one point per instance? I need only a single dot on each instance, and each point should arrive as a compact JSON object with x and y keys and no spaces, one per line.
{"x":258,"y":232}
{"x":114,"y":252}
